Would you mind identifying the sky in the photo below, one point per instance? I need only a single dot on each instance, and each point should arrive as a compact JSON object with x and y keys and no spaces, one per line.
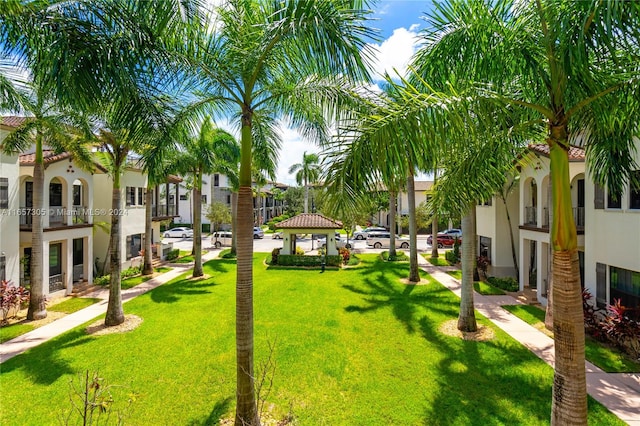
{"x":399,"y":22}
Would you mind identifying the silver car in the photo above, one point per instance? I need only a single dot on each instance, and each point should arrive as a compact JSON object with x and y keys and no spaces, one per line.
{"x":382,"y":240}
{"x":362,"y":235}
{"x":181,"y":232}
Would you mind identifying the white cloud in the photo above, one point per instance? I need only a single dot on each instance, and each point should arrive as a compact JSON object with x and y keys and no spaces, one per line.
{"x":395,"y":52}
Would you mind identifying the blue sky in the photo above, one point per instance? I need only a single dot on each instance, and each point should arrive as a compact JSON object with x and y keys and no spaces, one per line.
{"x":399,"y":22}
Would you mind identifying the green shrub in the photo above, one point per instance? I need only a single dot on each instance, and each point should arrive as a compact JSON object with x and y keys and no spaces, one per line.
{"x":103,"y":280}
{"x":130,"y":272}
{"x":296,"y":260}
{"x":275,"y":253}
{"x":451,"y":257}
{"x":272,"y":225}
{"x":353,"y":260}
{"x":173,"y":254}
{"x":507,"y":283}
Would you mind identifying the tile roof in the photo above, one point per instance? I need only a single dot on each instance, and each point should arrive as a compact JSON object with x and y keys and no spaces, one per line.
{"x":575,"y":153}
{"x":50,"y":156}
{"x":310,"y":221}
{"x":12,"y":121}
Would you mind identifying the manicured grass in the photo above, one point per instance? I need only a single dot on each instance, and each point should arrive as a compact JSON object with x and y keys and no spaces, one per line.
{"x":352,"y":347}
{"x":608,"y":359}
{"x":401,"y":256}
{"x":72,"y":305}
{"x":440,"y":261}
{"x":479,"y":286}
{"x":226,"y":254}
{"x":487,"y":289}
{"x":134,"y":281}
{"x":12,"y":331}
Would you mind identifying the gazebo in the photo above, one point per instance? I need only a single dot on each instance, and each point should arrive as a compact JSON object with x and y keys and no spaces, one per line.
{"x":308,"y":223}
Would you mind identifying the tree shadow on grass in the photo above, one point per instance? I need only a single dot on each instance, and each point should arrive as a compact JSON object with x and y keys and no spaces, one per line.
{"x":173,"y":292}
{"x":219,"y":265}
{"x":217,"y":412}
{"x":43,"y":364}
{"x":486,"y":383}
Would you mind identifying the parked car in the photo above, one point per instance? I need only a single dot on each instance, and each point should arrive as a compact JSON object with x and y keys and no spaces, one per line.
{"x":221,"y":238}
{"x":340,"y":243}
{"x":445,"y":241}
{"x":257,"y":232}
{"x":382,"y":240}
{"x":277,"y":235}
{"x":453,"y":232}
{"x":182,"y":231}
{"x":362,"y":235}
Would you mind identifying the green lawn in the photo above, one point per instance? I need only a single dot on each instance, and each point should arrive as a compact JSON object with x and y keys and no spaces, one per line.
{"x":352,"y":347}
{"x":12,"y":331}
{"x":479,"y":286}
{"x":72,"y":305}
{"x":440,"y":261}
{"x":609,"y":359}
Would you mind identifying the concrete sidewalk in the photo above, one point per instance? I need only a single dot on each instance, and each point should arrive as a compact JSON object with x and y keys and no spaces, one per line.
{"x":33,"y":338}
{"x":619,"y":392}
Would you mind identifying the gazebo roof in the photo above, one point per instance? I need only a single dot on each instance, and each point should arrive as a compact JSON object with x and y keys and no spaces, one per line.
{"x":310,"y":221}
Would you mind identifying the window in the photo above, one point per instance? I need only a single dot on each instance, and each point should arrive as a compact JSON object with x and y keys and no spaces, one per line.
{"x":216,"y":180}
{"x":55,"y":194}
{"x":183,"y":197}
{"x":485,"y":203}
{"x":77,"y":195}
{"x":3,"y":268}
{"x":613,"y":201}
{"x":130,"y":196}
{"x":134,"y":245}
{"x":204,"y":199}
{"x":601,"y":284}
{"x":634,"y":191}
{"x":228,"y":199}
{"x":4,"y":193}
{"x":140,"y":196}
{"x":625,"y":285}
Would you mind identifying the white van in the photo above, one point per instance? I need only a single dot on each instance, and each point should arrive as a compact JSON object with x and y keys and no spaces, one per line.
{"x":221,"y":238}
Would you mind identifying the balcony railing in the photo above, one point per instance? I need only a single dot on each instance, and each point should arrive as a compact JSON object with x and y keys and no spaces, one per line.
{"x":530,"y":216}
{"x":58,"y":216}
{"x":163,"y":210}
{"x":56,"y":282}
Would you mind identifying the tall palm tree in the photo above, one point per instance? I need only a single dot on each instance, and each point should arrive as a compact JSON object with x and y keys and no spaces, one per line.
{"x":62,"y":131}
{"x":213,"y":150}
{"x":307,"y":172}
{"x":573,"y":67}
{"x":265,"y":60}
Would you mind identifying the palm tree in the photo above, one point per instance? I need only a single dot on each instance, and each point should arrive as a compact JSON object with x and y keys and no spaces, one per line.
{"x":62,"y":131}
{"x":307,"y":172}
{"x":212,"y":151}
{"x":290,"y":59}
{"x":572,"y":66}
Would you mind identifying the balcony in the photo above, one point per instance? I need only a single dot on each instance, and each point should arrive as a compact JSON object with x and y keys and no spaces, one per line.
{"x":56,"y":282}
{"x":163,"y":210}
{"x":530,"y":216}
{"x":58,"y":216}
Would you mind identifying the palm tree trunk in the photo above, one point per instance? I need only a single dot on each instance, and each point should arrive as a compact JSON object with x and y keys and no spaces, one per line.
{"x":569,"y":406}
{"x":147,"y":267}
{"x":306,"y":196}
{"x":234,"y":223}
{"x":246,"y":407}
{"x":115,"y":314}
{"x":434,"y":237}
{"x":414,"y":274}
{"x":467,"y":318}
{"x":37,"y":301}
{"x":392,"y":224}
{"x":197,"y":226}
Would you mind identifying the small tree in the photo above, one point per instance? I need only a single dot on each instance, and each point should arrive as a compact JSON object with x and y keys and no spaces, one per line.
{"x":217,"y":214}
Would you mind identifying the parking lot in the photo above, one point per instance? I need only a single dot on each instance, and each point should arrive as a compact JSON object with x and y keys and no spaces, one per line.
{"x":267,"y":244}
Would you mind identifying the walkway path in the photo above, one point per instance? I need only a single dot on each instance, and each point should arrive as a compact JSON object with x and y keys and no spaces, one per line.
{"x":620,"y":393}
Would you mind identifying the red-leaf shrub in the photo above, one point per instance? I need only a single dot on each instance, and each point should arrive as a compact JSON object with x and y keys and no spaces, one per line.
{"x":11,"y":299}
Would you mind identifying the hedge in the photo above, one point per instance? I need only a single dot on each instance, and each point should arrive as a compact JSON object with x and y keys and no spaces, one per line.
{"x":295,"y":260}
